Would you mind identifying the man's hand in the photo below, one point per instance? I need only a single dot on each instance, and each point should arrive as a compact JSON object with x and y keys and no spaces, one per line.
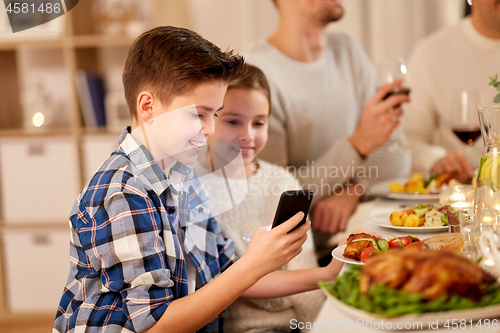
{"x":453,"y":161}
{"x":331,"y":214}
{"x":379,"y":118}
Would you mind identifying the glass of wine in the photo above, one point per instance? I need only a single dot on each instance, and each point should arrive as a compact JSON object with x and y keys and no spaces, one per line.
{"x":464,"y":120}
{"x":389,"y":70}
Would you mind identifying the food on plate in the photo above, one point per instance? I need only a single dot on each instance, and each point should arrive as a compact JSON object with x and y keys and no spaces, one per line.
{"x":433,"y":274}
{"x":361,"y":246}
{"x":402,"y":242}
{"x":423,"y":215}
{"x":366,"y":253}
{"x":418,"y":184}
{"x":356,"y":243}
{"x":450,"y":241}
{"x":401,"y":282}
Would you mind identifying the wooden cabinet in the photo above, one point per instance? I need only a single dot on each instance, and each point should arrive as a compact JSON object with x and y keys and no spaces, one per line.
{"x":42,"y":170}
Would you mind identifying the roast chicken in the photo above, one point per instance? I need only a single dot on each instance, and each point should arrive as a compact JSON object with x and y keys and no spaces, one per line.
{"x":430,"y":273}
{"x":354,"y":248}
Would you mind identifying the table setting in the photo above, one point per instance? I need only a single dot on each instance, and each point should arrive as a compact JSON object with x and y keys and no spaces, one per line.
{"x":428,"y":256}
{"x":336,"y":315}
{"x":476,"y":225}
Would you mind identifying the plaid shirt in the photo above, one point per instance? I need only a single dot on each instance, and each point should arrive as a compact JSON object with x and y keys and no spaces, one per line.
{"x":127,"y":263}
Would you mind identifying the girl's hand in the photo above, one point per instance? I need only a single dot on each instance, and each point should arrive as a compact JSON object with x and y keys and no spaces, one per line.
{"x":270,"y":249}
{"x":333,"y":269}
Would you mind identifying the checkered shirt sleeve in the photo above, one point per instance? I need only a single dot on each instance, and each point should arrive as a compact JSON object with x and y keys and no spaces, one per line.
{"x":126,"y":264}
{"x":117,"y":257}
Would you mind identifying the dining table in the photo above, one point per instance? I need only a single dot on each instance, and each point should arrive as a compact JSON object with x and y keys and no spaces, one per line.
{"x":333,"y":316}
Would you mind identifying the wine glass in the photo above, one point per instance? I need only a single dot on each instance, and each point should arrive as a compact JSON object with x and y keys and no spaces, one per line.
{"x":389,"y":70}
{"x":464,"y":119}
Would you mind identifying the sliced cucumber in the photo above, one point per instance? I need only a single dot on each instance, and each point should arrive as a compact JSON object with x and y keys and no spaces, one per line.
{"x":382,"y":244}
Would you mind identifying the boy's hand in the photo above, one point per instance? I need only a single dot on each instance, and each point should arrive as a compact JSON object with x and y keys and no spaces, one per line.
{"x":271,"y":249}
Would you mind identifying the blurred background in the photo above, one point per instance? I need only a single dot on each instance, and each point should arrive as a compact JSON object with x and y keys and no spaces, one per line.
{"x":62,"y":109}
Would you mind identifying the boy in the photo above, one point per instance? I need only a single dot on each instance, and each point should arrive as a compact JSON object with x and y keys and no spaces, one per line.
{"x":139,"y":244}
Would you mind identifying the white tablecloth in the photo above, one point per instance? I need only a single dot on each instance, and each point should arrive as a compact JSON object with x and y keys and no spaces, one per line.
{"x":332,"y":319}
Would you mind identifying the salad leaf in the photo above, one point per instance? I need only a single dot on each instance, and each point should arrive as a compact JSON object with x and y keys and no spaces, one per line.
{"x":393,"y":302}
{"x":495,"y":83}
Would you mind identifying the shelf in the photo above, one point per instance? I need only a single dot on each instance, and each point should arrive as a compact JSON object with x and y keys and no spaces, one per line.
{"x":33,"y":225}
{"x":10,"y":117}
{"x":13,"y":44}
{"x":54,"y":62}
{"x":85,"y":41}
{"x":102,"y":131}
{"x":27,"y":318}
{"x":19,"y":132}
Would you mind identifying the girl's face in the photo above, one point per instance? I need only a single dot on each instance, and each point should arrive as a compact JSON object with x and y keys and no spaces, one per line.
{"x":243,"y":121}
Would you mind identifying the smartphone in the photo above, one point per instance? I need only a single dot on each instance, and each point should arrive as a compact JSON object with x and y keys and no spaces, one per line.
{"x":292,"y":202}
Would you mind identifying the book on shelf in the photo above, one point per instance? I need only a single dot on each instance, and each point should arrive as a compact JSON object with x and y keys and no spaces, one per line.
{"x":92,"y":94}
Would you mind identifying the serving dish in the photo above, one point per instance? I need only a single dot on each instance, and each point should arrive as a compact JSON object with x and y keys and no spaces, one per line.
{"x":469,"y":317}
{"x":338,"y":253}
{"x":381,"y":189}
{"x":384,"y":221}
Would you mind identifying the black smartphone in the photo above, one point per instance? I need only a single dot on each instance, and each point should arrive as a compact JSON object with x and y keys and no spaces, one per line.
{"x":292,"y":202}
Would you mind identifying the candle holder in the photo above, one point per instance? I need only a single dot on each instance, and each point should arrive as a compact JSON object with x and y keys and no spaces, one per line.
{"x":459,"y":196}
{"x":486,"y":219}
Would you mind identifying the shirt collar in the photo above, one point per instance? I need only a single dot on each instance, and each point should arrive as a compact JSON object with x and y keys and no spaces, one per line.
{"x":476,"y":37}
{"x":148,"y":168}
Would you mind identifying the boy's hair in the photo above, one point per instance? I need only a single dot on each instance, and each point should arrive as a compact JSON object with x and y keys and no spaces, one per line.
{"x":254,"y":79}
{"x":170,"y":61}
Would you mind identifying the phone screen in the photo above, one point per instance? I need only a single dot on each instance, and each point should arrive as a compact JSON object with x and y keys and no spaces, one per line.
{"x":292,"y":202}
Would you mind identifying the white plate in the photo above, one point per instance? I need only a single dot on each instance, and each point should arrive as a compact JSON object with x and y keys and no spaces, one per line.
{"x":492,"y":311}
{"x":382,"y":190}
{"x":383,"y":220}
{"x":338,"y":253}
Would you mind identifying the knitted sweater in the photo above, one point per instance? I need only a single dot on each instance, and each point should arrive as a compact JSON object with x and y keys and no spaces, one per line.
{"x":316,"y":106}
{"x":239,"y":224}
{"x":452,"y":59}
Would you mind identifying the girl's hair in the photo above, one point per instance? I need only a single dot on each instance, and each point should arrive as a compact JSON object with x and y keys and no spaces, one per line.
{"x":254,"y":79}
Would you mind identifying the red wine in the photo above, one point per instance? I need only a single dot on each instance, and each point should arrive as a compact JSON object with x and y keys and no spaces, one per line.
{"x":467,"y":134}
{"x":397,"y":91}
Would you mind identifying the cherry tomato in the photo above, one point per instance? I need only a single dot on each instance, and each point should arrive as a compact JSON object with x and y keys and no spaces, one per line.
{"x":413,"y":238}
{"x":367,"y":253}
{"x":399,"y":242}
{"x":417,"y":245}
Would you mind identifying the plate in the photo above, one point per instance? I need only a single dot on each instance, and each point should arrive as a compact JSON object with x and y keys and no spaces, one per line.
{"x":338,"y":253}
{"x":382,"y":190}
{"x":383,"y":220}
{"x":392,"y":323}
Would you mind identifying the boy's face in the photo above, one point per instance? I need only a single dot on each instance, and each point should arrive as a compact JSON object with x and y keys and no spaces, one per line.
{"x":244,"y":122}
{"x":178,"y":131}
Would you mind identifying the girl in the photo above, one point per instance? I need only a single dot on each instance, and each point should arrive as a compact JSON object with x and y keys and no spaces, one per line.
{"x":243,"y":123}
